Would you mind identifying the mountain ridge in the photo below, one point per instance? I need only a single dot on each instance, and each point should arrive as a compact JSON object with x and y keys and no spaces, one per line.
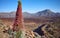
{"x":44,"y":13}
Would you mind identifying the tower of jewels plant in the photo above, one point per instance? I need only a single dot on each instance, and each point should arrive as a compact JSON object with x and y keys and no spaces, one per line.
{"x":18,"y":26}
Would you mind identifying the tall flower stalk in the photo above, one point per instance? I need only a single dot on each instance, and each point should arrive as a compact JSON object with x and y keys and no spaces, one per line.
{"x":18,"y":26}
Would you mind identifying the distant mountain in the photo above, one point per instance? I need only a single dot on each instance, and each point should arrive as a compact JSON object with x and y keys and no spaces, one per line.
{"x":44,"y":13}
{"x":27,"y":15}
{"x":12,"y":15}
{"x":7,"y":14}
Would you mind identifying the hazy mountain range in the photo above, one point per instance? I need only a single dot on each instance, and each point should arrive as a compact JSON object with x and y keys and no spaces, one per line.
{"x":44,"y":13}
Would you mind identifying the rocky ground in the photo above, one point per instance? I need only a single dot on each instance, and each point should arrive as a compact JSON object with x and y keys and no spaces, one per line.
{"x":50,"y":30}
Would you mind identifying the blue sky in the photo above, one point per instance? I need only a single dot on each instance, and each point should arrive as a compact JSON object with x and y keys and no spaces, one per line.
{"x":31,"y":6}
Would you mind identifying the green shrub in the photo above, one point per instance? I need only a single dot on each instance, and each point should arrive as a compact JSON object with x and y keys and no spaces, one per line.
{"x":20,"y":34}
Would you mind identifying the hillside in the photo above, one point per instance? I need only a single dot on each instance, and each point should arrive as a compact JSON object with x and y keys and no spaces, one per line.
{"x":44,"y":13}
{"x":45,"y":22}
